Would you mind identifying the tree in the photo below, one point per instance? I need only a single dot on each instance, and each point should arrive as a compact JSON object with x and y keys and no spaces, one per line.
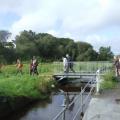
{"x":7,"y":52}
{"x":48,"y":47}
{"x":4,"y":35}
{"x":9,"y":45}
{"x":105,"y":53}
{"x":84,"y":51}
{"x":25,"y":44}
{"x":90,"y":55}
{"x":7,"y":55}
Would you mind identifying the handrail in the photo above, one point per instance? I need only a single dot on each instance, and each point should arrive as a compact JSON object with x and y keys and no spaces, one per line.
{"x":83,"y":104}
{"x":84,"y":66}
{"x":60,"y":113}
{"x":80,"y":95}
{"x":67,"y":107}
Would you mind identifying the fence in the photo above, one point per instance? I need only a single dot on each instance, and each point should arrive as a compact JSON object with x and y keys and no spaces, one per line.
{"x":78,"y":114}
{"x":82,"y":102}
{"x":84,"y":66}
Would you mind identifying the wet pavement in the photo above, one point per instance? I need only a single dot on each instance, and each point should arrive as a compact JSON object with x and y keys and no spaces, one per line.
{"x":105,"y":106}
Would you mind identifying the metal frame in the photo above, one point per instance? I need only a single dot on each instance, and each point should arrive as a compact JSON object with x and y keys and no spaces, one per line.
{"x":69,"y":105}
{"x":83,"y":102}
{"x":103,"y":68}
{"x":83,"y":67}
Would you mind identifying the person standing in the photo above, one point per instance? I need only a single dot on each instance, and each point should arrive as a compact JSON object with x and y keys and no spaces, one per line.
{"x":70,"y":63}
{"x":19,"y":66}
{"x":117,"y":65}
{"x":33,"y":66}
{"x":65,"y":65}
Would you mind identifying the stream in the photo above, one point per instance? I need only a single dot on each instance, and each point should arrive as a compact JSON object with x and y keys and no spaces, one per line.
{"x":47,"y":110}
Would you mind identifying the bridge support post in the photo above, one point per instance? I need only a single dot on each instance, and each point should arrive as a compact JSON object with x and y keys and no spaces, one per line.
{"x":81,"y":103}
{"x":98,"y":81}
{"x":81,"y":100}
{"x":63,"y":117}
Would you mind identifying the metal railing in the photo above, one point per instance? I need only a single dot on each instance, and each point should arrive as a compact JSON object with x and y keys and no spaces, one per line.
{"x":81,"y":67}
{"x":61,"y":114}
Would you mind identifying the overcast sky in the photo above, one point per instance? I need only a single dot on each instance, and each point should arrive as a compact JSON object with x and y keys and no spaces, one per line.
{"x":93,"y":21}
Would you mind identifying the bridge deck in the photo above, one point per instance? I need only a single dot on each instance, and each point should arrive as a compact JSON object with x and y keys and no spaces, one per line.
{"x":74,"y":75}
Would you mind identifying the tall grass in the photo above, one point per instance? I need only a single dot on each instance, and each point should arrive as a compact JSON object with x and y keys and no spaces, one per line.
{"x":13,"y":84}
{"x":109,"y":81}
{"x":24,"y":85}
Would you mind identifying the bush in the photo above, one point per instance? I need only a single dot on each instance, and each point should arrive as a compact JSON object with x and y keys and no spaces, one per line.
{"x":109,"y":81}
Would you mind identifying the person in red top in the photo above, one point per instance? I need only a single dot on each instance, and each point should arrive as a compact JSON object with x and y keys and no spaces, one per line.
{"x":19,"y":66}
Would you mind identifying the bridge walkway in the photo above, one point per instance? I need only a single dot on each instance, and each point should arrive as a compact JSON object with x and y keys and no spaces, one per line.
{"x":106,"y":106}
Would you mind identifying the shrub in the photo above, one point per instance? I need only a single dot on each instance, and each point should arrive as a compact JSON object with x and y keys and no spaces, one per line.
{"x":109,"y":81}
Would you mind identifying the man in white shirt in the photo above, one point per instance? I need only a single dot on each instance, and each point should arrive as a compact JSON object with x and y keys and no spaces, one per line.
{"x":65,"y":64}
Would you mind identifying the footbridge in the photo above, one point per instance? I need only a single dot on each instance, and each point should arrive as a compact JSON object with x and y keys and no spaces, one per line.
{"x":88,"y":72}
{"x":84,"y":71}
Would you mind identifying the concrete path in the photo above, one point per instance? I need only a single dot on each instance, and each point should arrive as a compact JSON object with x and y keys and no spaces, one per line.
{"x":105,"y":106}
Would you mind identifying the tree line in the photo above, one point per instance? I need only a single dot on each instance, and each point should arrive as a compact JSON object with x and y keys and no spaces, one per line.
{"x":48,"y":48}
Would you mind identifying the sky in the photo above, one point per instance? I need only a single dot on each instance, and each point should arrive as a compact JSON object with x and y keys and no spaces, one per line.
{"x":94,"y":21}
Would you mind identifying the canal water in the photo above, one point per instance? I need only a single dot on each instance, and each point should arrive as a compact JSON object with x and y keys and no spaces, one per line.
{"x":47,"y":110}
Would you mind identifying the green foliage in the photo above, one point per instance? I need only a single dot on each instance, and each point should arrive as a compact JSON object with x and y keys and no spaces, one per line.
{"x":24,"y":86}
{"x":9,"y":45}
{"x":105,"y":53}
{"x":4,"y":35}
{"x":17,"y":85}
{"x":109,"y":81}
{"x":25,"y":44}
{"x":34,"y":87}
{"x":7,"y":52}
{"x":7,"y":55}
{"x":48,"y":48}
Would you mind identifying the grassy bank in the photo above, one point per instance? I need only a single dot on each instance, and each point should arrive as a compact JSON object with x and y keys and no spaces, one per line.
{"x":109,"y":81}
{"x":12,"y":84}
{"x":16,"y":85}
{"x":26,"y":86}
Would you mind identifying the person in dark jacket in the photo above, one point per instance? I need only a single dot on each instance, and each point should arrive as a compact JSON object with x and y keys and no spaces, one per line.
{"x":70,"y":63}
{"x":117,"y":65}
{"x":33,"y":66}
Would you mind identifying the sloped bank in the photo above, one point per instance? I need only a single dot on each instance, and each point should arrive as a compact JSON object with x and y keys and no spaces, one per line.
{"x":17,"y":92}
{"x":8,"y":105}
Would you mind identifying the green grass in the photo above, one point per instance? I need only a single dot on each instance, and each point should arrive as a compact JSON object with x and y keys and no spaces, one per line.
{"x":26,"y":86}
{"x":15,"y":85}
{"x":42,"y":68}
{"x":109,"y":81}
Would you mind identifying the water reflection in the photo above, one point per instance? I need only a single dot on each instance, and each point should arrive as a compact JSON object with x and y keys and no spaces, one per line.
{"x":47,"y":110}
{"x":42,"y":110}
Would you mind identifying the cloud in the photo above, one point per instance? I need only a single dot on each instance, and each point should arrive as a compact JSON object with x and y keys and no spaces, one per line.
{"x":90,"y":20}
{"x":98,"y":41}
